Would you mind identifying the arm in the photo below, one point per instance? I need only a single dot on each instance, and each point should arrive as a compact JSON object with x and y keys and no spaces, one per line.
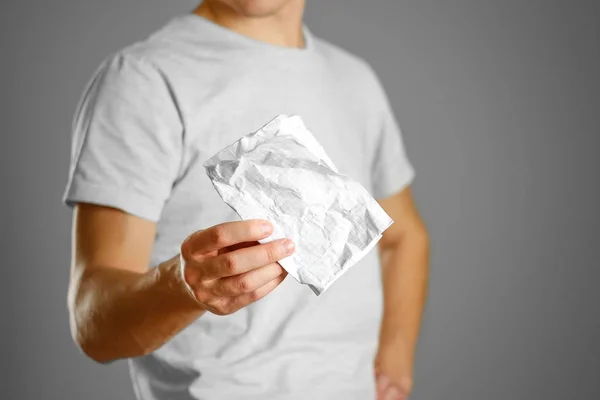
{"x":119,"y":308}
{"x":404,"y":251}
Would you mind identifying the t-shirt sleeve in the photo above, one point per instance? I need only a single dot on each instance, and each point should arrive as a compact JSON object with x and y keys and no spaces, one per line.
{"x":392,"y":171}
{"x":127,"y":140}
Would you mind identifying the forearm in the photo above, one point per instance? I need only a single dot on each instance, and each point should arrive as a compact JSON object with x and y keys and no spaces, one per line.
{"x":404,"y":273}
{"x":117,"y":313}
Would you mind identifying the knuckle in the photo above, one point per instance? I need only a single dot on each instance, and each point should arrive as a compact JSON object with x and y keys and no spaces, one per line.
{"x":253,"y":296}
{"x":229,"y":263}
{"x":188,"y":245}
{"x":271,"y":253}
{"x":218,"y":234}
{"x":243,"y":285}
{"x":185,"y":249}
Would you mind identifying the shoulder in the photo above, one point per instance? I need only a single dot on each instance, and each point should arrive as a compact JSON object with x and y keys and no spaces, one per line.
{"x":141,"y":58}
{"x":129,"y":82}
{"x":138,"y":67}
{"x":149,"y":55}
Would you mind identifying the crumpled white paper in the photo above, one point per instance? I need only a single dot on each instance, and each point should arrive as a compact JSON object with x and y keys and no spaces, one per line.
{"x":282,"y":174}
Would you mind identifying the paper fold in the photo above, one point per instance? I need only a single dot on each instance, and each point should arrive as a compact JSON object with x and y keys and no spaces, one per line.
{"x":282,"y":174}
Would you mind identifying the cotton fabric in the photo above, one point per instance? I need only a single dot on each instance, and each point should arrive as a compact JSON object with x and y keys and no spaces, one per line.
{"x":150,"y":117}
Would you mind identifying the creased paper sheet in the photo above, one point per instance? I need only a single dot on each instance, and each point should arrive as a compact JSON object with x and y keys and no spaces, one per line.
{"x":282,"y":174}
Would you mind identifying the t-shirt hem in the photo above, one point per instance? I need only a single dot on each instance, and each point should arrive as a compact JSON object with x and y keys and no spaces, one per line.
{"x":388,"y":189}
{"x":127,"y":200}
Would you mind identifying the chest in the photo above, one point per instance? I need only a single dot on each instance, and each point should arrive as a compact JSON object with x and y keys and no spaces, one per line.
{"x":218,"y":112}
{"x":238,"y":103}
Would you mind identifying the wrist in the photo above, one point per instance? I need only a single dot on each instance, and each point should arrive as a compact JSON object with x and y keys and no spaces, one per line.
{"x":396,"y":349}
{"x":172,"y":273}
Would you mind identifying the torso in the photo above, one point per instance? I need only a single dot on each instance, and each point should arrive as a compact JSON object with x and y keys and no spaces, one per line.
{"x":291,"y":338}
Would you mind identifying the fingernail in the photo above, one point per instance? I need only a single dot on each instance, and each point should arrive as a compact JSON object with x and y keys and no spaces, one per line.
{"x":288,"y":246}
{"x":265,"y":227}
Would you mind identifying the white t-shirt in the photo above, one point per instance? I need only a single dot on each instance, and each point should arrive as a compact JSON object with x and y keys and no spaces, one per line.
{"x":153,"y":113}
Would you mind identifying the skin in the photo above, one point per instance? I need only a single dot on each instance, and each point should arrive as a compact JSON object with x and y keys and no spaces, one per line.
{"x":120,"y":308}
{"x":278,"y":22}
{"x":404,"y":255}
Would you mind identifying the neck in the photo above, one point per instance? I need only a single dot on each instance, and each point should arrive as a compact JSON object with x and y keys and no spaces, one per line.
{"x":282,"y":28}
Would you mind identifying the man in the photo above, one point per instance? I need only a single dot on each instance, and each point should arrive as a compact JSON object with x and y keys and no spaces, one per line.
{"x":214,"y":318}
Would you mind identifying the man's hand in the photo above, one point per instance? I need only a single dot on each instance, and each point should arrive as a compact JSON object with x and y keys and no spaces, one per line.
{"x":120,"y":308}
{"x":393,"y":373}
{"x":227,"y":269}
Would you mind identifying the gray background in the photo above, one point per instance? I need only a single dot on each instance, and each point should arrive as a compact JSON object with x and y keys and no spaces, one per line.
{"x":499,"y":103}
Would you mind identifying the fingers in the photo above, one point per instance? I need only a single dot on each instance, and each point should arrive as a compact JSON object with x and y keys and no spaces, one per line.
{"x":227,"y":268}
{"x":245,"y":299}
{"x":382,"y":384}
{"x":224,"y":235}
{"x":246,"y":259}
{"x":388,"y":390}
{"x":247,"y":282}
{"x":238,"y":246}
{"x":229,"y":305}
{"x":392,"y":393}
